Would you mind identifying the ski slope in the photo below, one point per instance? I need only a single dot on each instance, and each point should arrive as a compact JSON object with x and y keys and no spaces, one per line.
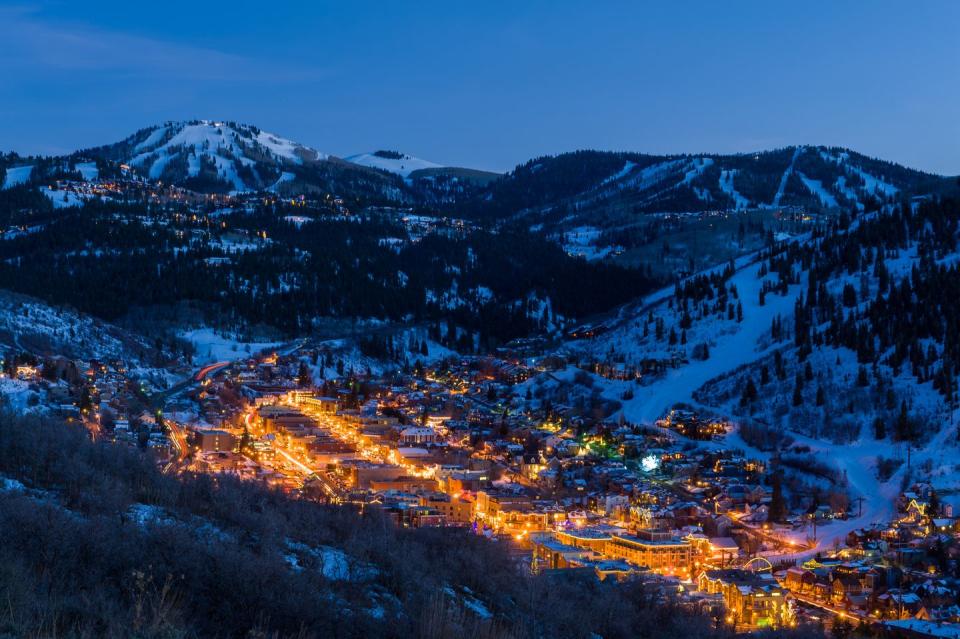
{"x":403,"y":166}
{"x":17,"y":175}
{"x":731,"y":350}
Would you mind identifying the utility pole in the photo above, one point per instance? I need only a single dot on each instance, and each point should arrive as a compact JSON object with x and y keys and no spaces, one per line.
{"x":860,"y":506}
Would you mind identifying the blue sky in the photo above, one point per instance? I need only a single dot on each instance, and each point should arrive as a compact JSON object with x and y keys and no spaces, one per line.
{"x":491,"y":84}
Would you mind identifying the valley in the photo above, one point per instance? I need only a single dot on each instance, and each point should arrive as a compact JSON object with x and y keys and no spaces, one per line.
{"x":700,"y":376}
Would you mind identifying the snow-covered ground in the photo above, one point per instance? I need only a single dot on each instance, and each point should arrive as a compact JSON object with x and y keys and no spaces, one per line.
{"x":298,"y":220}
{"x":627,"y":167}
{"x":62,"y":198}
{"x":816,"y":188}
{"x":15,"y":393}
{"x":726,"y":185}
{"x":286,"y":176}
{"x":786,"y":176}
{"x":582,"y":242}
{"x":699,"y":165}
{"x":17,"y":175}
{"x":27,"y":324}
{"x":732,"y":344}
{"x":736,"y":345}
{"x":403,"y":166}
{"x":213,"y":347}
{"x":344,"y":354}
{"x":217,"y":142}
{"x":738,"y":348}
{"x":88,"y":170}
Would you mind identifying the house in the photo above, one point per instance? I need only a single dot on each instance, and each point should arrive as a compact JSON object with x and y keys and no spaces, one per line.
{"x":800,"y":580}
{"x":922,"y":629}
{"x":896,"y":604}
{"x":844,"y":586}
{"x":752,"y":599}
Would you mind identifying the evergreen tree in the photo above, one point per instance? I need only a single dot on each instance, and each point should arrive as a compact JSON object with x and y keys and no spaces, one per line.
{"x":903,"y":428}
{"x":879,"y":428}
{"x":749,"y":394}
{"x":798,"y":391}
{"x":304,"y":379}
{"x":778,"y":506}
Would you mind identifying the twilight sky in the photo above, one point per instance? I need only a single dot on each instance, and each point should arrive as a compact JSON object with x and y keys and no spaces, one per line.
{"x":491,"y":84}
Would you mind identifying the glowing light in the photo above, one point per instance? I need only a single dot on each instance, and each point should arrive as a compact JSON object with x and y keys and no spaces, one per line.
{"x":650,"y":463}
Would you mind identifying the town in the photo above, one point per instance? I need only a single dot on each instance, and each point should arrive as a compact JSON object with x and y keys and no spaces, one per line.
{"x":461,"y":442}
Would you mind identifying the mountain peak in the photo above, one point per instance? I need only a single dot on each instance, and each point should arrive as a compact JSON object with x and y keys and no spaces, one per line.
{"x":392,"y":162}
{"x":238,"y":157}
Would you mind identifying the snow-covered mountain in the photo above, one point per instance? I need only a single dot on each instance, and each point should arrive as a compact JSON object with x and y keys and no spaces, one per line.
{"x":196,"y":140}
{"x":592,"y":184}
{"x":209,"y":156}
{"x":579,"y":187}
{"x":832,"y":346}
{"x":239,"y":155}
{"x":392,"y":161}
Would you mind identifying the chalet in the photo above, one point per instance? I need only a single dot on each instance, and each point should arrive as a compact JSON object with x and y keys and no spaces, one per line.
{"x":843,"y":587}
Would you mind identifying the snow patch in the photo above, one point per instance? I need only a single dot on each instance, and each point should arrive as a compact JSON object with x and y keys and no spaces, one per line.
{"x":213,"y":347}
{"x":403,"y":166}
{"x":17,"y":175}
{"x":726,"y":185}
{"x":816,"y":188}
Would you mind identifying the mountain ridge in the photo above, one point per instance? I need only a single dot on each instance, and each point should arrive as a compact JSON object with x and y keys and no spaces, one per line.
{"x":209,"y":156}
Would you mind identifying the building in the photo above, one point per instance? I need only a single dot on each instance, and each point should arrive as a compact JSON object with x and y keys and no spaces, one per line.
{"x":658,"y":551}
{"x":323,"y":405}
{"x":361,"y":473}
{"x":453,"y":510}
{"x":551,"y":554}
{"x":210,"y":441}
{"x":589,"y":538}
{"x":752,"y":599}
{"x":404,"y":484}
{"x":416,"y":435}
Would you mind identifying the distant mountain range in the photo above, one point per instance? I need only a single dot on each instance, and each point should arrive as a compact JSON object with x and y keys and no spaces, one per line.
{"x":224,"y":156}
{"x":588,"y":184}
{"x":208,"y":156}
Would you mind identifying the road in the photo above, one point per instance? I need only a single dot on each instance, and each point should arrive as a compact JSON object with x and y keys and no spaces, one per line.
{"x":834,"y":610}
{"x":177,"y":432}
{"x":306,"y":470}
{"x":209,"y":369}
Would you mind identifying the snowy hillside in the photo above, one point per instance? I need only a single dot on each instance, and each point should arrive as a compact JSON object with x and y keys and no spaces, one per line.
{"x":211,"y":346}
{"x":836,"y":346}
{"x":242,"y":156}
{"x":27,"y":324}
{"x":584,"y":187}
{"x":16,"y":175}
{"x":392,"y":162}
{"x":843,"y":179}
{"x":208,"y":156}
